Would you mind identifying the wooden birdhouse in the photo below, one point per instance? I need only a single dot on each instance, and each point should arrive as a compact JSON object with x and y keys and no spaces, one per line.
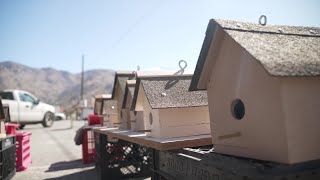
{"x":106,"y":108}
{"x":109,"y":113}
{"x":98,"y":103}
{"x":169,"y":109}
{"x":2,"y":120}
{"x":129,"y":116}
{"x":263,"y":85}
{"x":137,"y":116}
{"x":120,"y":80}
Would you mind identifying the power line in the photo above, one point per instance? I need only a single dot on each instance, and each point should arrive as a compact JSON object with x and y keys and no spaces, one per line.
{"x":136,"y":23}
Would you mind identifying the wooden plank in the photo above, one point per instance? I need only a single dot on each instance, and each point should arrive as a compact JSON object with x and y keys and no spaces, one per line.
{"x":156,"y":143}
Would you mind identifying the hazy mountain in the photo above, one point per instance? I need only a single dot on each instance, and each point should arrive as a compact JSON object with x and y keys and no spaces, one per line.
{"x":54,"y":86}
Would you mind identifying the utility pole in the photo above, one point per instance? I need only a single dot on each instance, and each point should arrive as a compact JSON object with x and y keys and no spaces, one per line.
{"x":81,"y":103}
{"x":82,"y":78}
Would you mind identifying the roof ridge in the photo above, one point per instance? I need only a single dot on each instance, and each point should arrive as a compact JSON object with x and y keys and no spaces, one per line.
{"x":270,"y":32}
{"x":302,"y":31}
{"x":167,"y":76}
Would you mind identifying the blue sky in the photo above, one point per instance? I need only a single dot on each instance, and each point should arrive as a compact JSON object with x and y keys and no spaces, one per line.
{"x":121,"y":34}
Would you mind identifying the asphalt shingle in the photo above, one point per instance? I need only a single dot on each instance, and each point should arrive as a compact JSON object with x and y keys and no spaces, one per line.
{"x":282,"y":50}
{"x":172,"y":92}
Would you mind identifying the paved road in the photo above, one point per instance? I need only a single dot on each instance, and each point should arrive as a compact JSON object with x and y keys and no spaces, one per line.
{"x":54,"y":154}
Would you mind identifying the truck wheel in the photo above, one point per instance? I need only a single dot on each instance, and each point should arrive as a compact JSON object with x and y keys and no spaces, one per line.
{"x":47,"y":120}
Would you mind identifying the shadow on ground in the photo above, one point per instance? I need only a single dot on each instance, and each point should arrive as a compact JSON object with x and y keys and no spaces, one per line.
{"x":63,"y":129}
{"x":83,"y":175}
{"x":66,"y":165}
{"x":27,"y":127}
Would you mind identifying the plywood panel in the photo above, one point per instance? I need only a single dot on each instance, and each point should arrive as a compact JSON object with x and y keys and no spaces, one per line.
{"x":301,"y":102}
{"x":125,"y":119}
{"x":137,"y":122}
{"x":261,"y":132}
{"x":156,"y":143}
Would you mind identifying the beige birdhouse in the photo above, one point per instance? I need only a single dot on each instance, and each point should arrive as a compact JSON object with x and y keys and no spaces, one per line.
{"x":169,"y":109}
{"x":125,"y":111}
{"x":118,"y":91}
{"x":263,"y":85}
{"x":98,"y":103}
{"x":131,"y":116}
{"x":2,"y":120}
{"x":106,"y":108}
{"x":110,"y":114}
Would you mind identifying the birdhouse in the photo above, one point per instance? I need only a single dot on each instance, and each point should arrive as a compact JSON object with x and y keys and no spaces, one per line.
{"x":106,"y":108}
{"x":6,"y":110}
{"x":98,"y":103}
{"x":118,"y":91}
{"x":137,"y":117}
{"x":128,"y":117}
{"x":263,"y":85}
{"x":2,"y":120}
{"x":109,"y":113}
{"x":169,"y":109}
{"x":2,"y":115}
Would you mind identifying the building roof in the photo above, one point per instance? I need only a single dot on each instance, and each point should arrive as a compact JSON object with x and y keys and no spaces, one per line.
{"x":170,"y":92}
{"x":122,"y":77}
{"x":129,"y":89}
{"x":281,"y":50}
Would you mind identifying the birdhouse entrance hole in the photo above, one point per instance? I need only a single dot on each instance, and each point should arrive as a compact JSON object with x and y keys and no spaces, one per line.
{"x":237,"y":109}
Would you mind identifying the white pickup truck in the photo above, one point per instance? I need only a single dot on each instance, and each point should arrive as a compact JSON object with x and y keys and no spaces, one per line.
{"x":26,"y":108}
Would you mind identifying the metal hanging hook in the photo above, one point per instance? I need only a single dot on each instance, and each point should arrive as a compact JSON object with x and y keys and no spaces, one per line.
{"x":136,"y":72}
{"x":183,"y":65}
{"x":263,"y":20}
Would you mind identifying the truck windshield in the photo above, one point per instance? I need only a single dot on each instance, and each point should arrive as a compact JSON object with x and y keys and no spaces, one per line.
{"x":6,"y":95}
{"x":26,"y":98}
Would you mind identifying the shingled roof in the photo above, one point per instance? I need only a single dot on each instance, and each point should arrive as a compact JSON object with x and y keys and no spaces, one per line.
{"x":171,"y":92}
{"x":122,"y":77}
{"x":281,"y":50}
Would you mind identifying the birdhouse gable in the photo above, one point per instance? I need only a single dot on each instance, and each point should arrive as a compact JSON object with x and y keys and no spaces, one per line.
{"x":138,"y":98}
{"x":128,"y":94}
{"x":120,"y":80}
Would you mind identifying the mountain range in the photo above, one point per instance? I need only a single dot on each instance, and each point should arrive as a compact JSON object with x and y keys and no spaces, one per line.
{"x":60,"y":88}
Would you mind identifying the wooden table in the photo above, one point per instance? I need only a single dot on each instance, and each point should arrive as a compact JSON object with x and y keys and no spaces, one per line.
{"x":156,"y":143}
